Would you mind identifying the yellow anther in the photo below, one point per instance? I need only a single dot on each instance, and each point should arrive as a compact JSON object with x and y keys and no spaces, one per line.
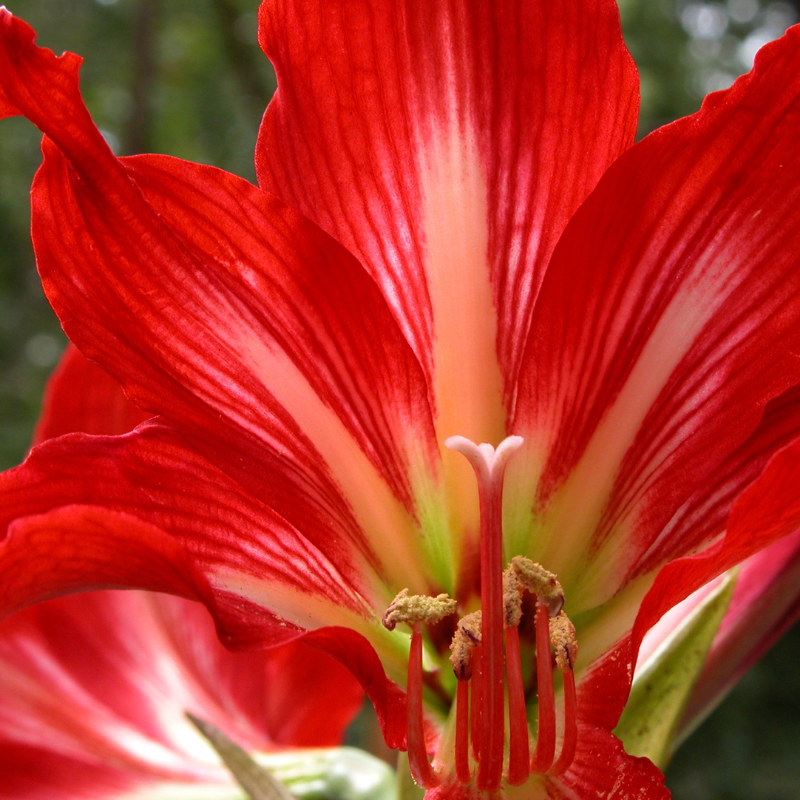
{"x":564,"y":640}
{"x":537,"y":580}
{"x":466,"y":638}
{"x":412,"y":608}
{"x":512,"y":597}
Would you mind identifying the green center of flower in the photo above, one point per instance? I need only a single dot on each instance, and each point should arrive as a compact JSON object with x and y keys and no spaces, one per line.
{"x":486,"y":654}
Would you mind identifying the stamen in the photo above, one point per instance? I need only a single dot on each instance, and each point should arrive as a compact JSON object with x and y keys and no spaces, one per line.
{"x":462,"y":732}
{"x":546,"y":736}
{"x":412,"y":608}
{"x":462,"y":651}
{"x":466,"y":638}
{"x":489,"y":465}
{"x":570,"y":743}
{"x":417,"y":752}
{"x":537,"y":580}
{"x":465,"y":658}
{"x":519,"y":749}
{"x":565,"y":643}
{"x":512,"y":596}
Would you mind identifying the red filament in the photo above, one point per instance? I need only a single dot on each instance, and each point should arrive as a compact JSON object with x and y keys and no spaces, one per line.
{"x":519,"y":750}
{"x":480,"y":718}
{"x":476,"y":698}
{"x":570,"y":742}
{"x":546,"y":737}
{"x":462,"y":732}
{"x":417,"y":752}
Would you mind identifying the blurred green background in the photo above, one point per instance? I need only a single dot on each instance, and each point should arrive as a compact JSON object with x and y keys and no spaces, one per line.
{"x":186,"y":77}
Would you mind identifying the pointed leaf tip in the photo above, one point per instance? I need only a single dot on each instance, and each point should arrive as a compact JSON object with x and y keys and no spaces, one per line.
{"x":255,"y":779}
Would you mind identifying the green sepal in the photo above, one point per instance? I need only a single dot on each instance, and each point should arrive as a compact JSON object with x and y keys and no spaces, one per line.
{"x":661,"y":690}
{"x":334,"y":773}
{"x":406,"y":788}
{"x":257,"y":781}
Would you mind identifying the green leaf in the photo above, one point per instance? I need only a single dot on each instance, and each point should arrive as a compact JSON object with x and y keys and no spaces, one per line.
{"x":255,"y":779}
{"x":336,"y":773}
{"x":660,"y":691}
{"x":333,"y":773}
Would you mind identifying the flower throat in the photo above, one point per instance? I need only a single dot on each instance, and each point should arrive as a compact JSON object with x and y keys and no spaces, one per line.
{"x":486,"y":657}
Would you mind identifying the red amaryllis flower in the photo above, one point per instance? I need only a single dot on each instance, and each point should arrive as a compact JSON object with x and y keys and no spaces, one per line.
{"x":453,"y":241}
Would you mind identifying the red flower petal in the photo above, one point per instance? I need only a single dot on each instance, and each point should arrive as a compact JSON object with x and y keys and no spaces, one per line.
{"x":80,"y":547}
{"x":602,"y":770}
{"x":257,"y":335}
{"x":703,"y":516}
{"x":81,"y":397}
{"x":95,"y":511}
{"x":765,"y":604}
{"x":6,"y":108}
{"x":446,"y":145}
{"x":669,"y":317}
{"x":264,"y":699}
{"x":38,"y":773}
{"x":105,"y":678}
{"x":355,"y":652}
{"x":605,"y":685}
{"x":146,"y":511}
{"x":768,"y":510}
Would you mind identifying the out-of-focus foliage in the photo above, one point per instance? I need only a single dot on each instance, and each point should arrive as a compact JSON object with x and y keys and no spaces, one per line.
{"x":183,"y":77}
{"x":747,"y":749}
{"x":687,"y":48}
{"x":186,"y":78}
